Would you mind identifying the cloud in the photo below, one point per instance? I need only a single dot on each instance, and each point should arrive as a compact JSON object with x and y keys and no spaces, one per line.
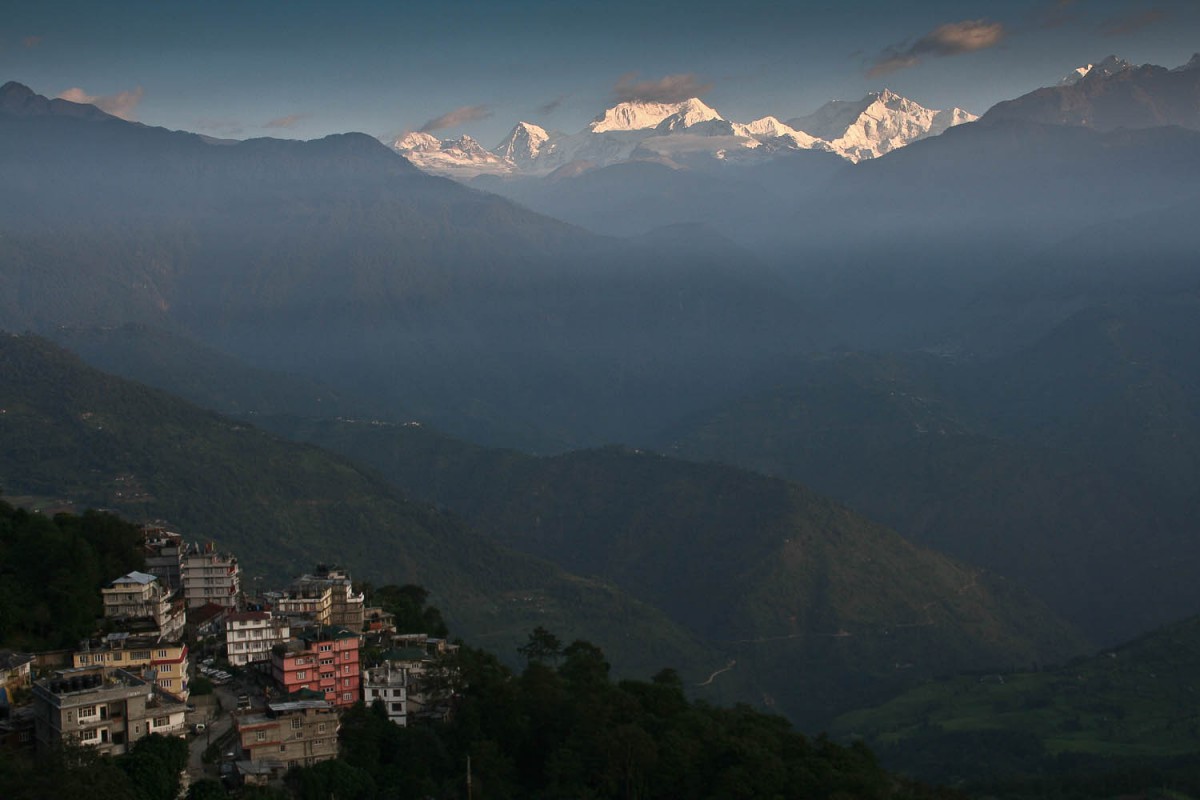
{"x":1121,"y":26}
{"x":552,"y":106}
{"x":30,"y":42}
{"x":669,"y":89}
{"x":459,"y":116}
{"x":951,"y":39}
{"x":122,"y":104}
{"x":285,"y":122}
{"x":219,"y":126}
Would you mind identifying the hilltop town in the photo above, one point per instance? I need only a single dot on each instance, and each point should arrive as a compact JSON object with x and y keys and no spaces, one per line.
{"x":254,"y":681}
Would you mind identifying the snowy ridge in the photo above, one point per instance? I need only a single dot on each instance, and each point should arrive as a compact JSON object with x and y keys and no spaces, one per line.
{"x":639,"y":115}
{"x":462,"y":157}
{"x":682,"y":132}
{"x":1109,"y":66}
{"x":877,"y":124}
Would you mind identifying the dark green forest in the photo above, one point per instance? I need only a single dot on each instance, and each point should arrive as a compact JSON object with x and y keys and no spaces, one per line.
{"x":51,"y":571}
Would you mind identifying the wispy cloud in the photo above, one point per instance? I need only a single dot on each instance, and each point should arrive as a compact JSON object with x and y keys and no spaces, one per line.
{"x":459,"y":116}
{"x":552,"y":106}
{"x":669,"y":89}
{"x":219,"y":126}
{"x":1130,"y":23}
{"x":30,"y":42}
{"x":122,"y":104}
{"x":951,"y":39}
{"x":285,"y":122}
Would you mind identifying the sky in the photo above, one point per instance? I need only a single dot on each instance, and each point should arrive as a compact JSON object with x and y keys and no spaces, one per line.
{"x":308,"y":69}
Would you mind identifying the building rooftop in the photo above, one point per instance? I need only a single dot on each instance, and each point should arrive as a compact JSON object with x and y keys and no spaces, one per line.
{"x":135,"y":577}
{"x":11,"y":659}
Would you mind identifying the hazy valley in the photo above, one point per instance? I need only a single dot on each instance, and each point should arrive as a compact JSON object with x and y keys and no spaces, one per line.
{"x":819,"y":413}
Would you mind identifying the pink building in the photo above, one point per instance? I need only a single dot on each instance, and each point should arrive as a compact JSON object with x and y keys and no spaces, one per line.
{"x":326,"y":663}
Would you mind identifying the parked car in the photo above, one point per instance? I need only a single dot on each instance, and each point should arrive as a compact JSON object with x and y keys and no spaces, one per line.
{"x":198,"y":728}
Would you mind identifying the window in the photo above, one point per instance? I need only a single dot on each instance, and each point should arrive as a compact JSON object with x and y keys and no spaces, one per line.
{"x":87,"y":711}
{"x":325,"y":648}
{"x":165,"y":683}
{"x":302,"y":674}
{"x":295,"y":722}
{"x":85,"y":659}
{"x":345,"y":683}
{"x":162,"y":653}
{"x":320,"y":727}
{"x":162,"y":722}
{"x":347,"y":697}
{"x":260,"y":736}
{"x":283,"y":748}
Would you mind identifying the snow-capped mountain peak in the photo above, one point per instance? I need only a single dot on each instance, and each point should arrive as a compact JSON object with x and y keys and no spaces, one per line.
{"x":417,"y":141}
{"x":641,"y":115}
{"x":463,"y":156}
{"x":524,"y":144}
{"x":877,"y":124}
{"x":1109,"y":66}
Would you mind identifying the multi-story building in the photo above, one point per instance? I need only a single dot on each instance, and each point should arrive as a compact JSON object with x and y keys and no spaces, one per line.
{"x":209,"y":577}
{"x":326,"y":597}
{"x":322,"y":661}
{"x":108,"y":709}
{"x":291,"y":734}
{"x":431,"y":679}
{"x":141,"y":596}
{"x":250,"y":635}
{"x":16,"y":671}
{"x":163,"y":663}
{"x":388,"y":684}
{"x":164,"y":550}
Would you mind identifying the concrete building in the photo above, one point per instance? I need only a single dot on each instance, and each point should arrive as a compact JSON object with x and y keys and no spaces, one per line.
{"x":250,"y":635}
{"x":209,"y":577}
{"x":163,"y":663}
{"x":388,"y":684}
{"x":16,"y":671}
{"x":325,"y":661}
{"x":140,"y":595}
{"x":430,"y":676}
{"x":164,"y":552}
{"x":289,"y":734}
{"x":108,"y":709}
{"x":326,"y":597}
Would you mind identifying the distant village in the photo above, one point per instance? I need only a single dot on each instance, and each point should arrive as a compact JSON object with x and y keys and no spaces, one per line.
{"x":256,"y":682}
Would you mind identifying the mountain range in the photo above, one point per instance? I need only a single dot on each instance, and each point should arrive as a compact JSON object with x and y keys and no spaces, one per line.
{"x":682,"y":133}
{"x":761,"y":573}
{"x":984,"y":339}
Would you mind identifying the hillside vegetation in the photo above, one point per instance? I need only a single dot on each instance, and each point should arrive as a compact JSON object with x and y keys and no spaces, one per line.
{"x":1135,"y":707}
{"x":75,"y":437}
{"x":803,"y":592}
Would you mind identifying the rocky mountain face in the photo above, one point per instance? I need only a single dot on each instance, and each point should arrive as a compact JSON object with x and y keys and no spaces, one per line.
{"x":682,"y":133}
{"x":1113,"y":94}
{"x":877,"y":124}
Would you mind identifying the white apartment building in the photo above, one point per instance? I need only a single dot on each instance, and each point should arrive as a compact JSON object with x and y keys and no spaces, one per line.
{"x":209,"y":577}
{"x":250,"y":635}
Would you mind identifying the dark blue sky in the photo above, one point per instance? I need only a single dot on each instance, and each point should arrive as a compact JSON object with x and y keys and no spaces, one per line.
{"x":306,"y":69}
